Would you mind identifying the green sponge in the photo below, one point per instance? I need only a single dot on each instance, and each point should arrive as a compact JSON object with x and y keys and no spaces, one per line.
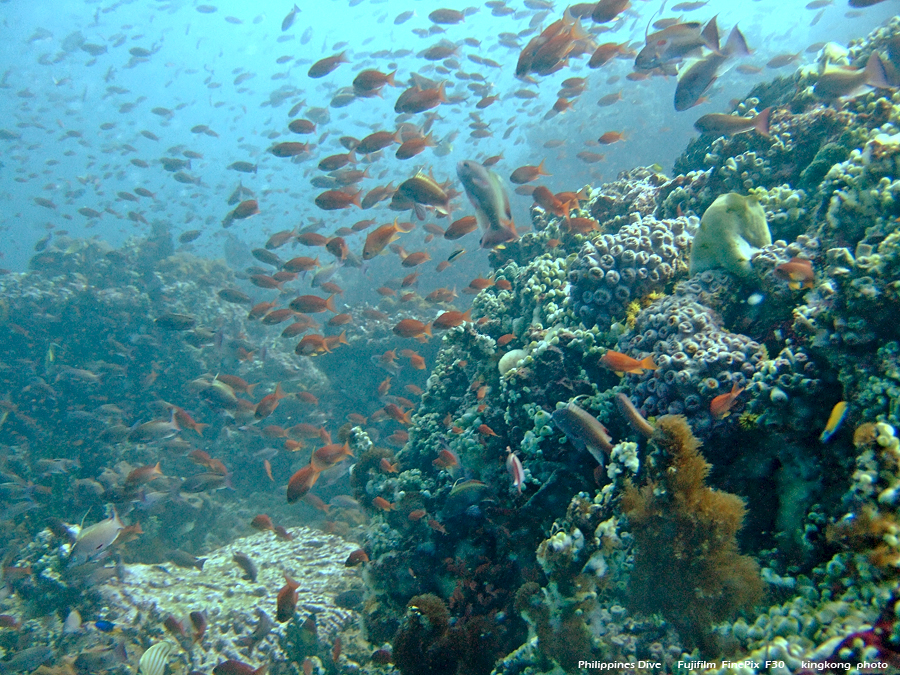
{"x":732,"y":229}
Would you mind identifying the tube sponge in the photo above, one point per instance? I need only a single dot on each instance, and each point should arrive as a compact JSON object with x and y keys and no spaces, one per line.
{"x":732,"y":229}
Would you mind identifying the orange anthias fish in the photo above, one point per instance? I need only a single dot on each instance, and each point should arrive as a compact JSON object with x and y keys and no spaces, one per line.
{"x":301,"y":483}
{"x":528,"y":173}
{"x":334,"y":200}
{"x":412,"y":328}
{"x":549,"y":202}
{"x":286,"y":602}
{"x":460,"y":228}
{"x":720,"y":406}
{"x":380,"y":237}
{"x":451,"y":319}
{"x":312,"y":345}
{"x":312,"y":304}
{"x":329,"y":455}
{"x":798,"y":272}
{"x":382,"y":503}
{"x":622,"y":363}
{"x":322,"y":67}
{"x":268,"y":404}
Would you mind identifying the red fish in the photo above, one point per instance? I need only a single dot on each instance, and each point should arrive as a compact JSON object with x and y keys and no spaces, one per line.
{"x":289,"y":149}
{"x":312,"y":345}
{"x":526,"y":174}
{"x":233,"y":667}
{"x":301,"y":483}
{"x":380,"y":237}
{"x":451,"y":319}
{"x":329,"y":455}
{"x":262,"y":522}
{"x":322,"y":67}
{"x":268,"y":404}
{"x":278,"y":316}
{"x":397,"y":414}
{"x":356,"y":558}
{"x":412,"y":328}
{"x":300,"y":264}
{"x":337,"y":247}
{"x":798,"y":272}
{"x":286,"y":602}
{"x":720,"y":406}
{"x":143,"y":474}
{"x":333,"y":200}
{"x":382,"y":503}
{"x":622,"y":363}
{"x":312,"y":304}
{"x":245,"y":209}
{"x":446,"y":459}
{"x":460,"y":228}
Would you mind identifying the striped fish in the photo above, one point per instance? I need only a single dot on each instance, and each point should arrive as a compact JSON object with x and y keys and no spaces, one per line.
{"x":154,"y":660}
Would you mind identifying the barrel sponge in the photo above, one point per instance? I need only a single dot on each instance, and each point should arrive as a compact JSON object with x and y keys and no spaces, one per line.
{"x":732,"y":229}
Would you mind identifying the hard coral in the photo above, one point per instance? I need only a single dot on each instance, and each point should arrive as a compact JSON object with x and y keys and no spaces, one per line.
{"x":686,"y":561}
{"x":613,"y":270}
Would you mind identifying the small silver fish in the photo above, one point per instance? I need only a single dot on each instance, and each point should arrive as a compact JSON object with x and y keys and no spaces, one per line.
{"x":289,"y":19}
{"x":488,"y":195}
{"x":93,"y":541}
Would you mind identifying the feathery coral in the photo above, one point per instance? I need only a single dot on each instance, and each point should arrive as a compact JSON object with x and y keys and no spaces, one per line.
{"x":686,"y":561}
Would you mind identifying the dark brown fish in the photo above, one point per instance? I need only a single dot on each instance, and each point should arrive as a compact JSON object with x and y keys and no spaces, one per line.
{"x":289,"y":149}
{"x":700,"y":76}
{"x":245,"y":563}
{"x":607,"y":10}
{"x":173,"y":321}
{"x":185,"y":559}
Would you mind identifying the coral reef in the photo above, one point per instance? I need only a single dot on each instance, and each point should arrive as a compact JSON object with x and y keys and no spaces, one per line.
{"x":470,"y":569}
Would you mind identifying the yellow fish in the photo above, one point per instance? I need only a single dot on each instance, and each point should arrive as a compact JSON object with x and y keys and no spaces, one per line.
{"x":838,"y":413}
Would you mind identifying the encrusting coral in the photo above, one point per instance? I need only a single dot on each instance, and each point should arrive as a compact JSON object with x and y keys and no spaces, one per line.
{"x":687,"y":565}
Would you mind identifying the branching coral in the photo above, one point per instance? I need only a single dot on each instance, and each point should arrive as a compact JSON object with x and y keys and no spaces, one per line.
{"x":686,"y":561}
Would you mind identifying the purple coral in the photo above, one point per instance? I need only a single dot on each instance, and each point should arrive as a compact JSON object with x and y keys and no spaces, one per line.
{"x":614,"y":269}
{"x":697,"y":358}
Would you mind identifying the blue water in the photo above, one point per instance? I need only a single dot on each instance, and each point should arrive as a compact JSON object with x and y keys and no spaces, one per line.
{"x":50,"y":93}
